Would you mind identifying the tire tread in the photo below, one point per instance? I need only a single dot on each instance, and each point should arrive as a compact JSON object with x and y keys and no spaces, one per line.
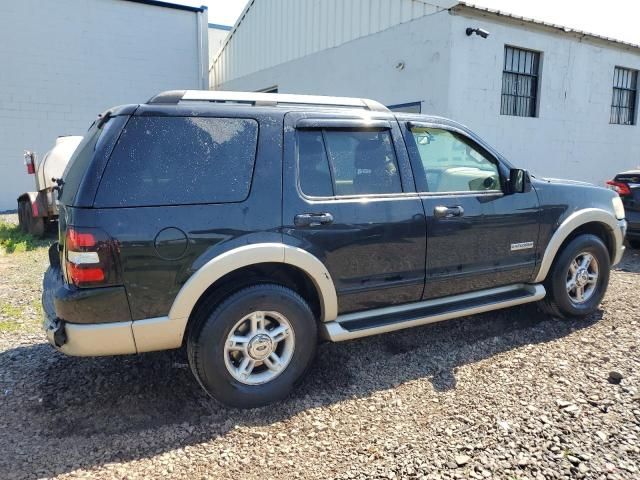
{"x":549,"y":305}
{"x":194,"y":345}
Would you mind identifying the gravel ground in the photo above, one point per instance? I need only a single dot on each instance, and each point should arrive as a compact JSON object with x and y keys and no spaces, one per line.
{"x":510,"y":394}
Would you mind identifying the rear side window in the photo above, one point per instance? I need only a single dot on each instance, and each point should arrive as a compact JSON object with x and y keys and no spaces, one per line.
{"x":180,"y":160}
{"x":315,"y":177}
{"x":347,"y":162}
{"x":78,"y":164}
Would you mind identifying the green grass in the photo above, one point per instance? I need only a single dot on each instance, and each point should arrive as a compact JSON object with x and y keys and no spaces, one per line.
{"x":10,"y":313}
{"x":8,"y":310}
{"x":14,"y":319}
{"x":12,"y":240}
{"x":8,"y":326}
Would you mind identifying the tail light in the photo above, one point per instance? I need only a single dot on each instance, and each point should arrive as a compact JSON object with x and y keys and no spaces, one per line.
{"x":620,"y":187}
{"x":91,"y":258}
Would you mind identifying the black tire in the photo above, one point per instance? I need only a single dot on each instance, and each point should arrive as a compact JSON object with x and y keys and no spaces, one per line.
{"x":35,"y":225}
{"x":635,"y":244}
{"x":23,"y":222}
{"x":558,"y":302}
{"x":207,"y":337}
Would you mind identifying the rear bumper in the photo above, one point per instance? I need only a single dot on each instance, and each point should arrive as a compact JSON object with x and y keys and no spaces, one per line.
{"x":82,"y":339}
{"x":633,"y":224}
{"x":90,"y":340}
{"x":117,"y":338}
{"x":83,"y":305}
{"x":106,"y":336}
{"x":633,"y":231}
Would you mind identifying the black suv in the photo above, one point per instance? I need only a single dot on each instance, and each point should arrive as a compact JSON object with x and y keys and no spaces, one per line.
{"x":245,"y":226}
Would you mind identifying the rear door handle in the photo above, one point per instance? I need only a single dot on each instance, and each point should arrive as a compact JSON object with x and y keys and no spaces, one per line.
{"x":448,"y":212}
{"x":312,"y":219}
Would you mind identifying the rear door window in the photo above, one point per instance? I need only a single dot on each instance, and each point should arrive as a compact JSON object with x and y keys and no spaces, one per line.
{"x":347,"y":162}
{"x":179,"y":161}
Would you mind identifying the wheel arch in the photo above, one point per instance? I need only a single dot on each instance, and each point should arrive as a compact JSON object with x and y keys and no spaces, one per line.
{"x":253,"y":258}
{"x":34,"y":198}
{"x":591,"y":220}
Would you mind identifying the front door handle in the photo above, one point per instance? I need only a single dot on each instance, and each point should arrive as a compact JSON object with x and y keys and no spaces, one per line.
{"x":312,"y":219}
{"x":448,"y":212}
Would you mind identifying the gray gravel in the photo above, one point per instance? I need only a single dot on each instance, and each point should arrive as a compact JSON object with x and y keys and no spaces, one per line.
{"x":510,"y":394}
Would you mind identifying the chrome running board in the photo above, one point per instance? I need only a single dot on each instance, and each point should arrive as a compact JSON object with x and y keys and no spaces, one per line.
{"x":388,"y":319}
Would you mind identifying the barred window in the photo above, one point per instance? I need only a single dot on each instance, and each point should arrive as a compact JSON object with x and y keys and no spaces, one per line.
{"x":623,"y":103}
{"x":520,"y":82}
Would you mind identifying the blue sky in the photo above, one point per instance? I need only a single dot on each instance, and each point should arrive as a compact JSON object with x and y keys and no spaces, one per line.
{"x":613,"y":18}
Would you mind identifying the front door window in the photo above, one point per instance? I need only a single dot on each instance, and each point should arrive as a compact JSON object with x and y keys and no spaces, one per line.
{"x":452,"y":165}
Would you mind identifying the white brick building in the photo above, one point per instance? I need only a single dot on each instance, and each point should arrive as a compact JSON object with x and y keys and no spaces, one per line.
{"x":217,"y":35}
{"x":63,"y":62}
{"x":418,"y":54}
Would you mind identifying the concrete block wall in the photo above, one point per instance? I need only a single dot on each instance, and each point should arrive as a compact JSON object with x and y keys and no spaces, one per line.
{"x":64,"y":62}
{"x":368,"y":67}
{"x":461,"y":77}
{"x":571,"y":137}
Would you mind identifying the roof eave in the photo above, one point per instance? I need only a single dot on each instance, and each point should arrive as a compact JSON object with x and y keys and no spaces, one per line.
{"x":464,"y":7}
{"x":175,"y":6}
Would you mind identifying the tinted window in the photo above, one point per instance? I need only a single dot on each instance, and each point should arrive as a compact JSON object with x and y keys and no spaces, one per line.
{"x":315,"y":178}
{"x":363,"y":162}
{"x":453,"y":165}
{"x":78,"y":164}
{"x":180,"y":160}
{"x":347,"y":162}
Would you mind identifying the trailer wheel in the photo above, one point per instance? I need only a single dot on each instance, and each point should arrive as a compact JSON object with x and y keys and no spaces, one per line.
{"x":22,"y":216}
{"x":35,"y":225}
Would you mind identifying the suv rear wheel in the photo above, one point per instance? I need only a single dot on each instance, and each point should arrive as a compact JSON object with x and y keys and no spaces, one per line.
{"x":254,"y":346}
{"x":578,"y":278}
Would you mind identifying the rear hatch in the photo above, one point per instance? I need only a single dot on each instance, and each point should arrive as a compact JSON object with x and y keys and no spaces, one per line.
{"x":85,"y":253}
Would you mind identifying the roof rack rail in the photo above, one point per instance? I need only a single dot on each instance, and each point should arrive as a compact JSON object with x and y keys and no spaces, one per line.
{"x":263,"y":99}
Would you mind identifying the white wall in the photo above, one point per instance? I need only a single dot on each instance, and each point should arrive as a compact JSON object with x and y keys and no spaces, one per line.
{"x":366,"y":67}
{"x":272,"y":32}
{"x":217,"y":36}
{"x":571,"y":137}
{"x":63,"y":62}
{"x":461,"y":77}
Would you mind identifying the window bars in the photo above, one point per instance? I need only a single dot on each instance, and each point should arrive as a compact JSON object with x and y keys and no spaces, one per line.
{"x":520,"y":82}
{"x":623,"y":103}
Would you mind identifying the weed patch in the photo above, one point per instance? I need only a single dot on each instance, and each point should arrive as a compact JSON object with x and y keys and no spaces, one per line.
{"x":13,"y":240}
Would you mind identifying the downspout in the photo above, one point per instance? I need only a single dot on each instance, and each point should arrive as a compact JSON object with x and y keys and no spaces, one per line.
{"x":203,"y":47}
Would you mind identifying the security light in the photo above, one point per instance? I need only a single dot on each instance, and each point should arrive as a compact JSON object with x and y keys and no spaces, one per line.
{"x":478,"y":31}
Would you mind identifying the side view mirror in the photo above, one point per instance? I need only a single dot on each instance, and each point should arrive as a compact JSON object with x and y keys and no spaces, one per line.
{"x":519,"y":181}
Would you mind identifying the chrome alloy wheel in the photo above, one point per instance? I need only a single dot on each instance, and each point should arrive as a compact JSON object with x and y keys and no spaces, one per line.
{"x":259,"y":347}
{"x":582,"y":277}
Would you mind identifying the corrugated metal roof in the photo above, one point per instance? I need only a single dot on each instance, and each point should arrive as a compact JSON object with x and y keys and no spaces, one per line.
{"x":470,"y":6}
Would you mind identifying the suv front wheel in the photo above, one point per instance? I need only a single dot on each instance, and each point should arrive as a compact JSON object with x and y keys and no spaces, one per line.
{"x":254,"y":346}
{"x":578,"y":278}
